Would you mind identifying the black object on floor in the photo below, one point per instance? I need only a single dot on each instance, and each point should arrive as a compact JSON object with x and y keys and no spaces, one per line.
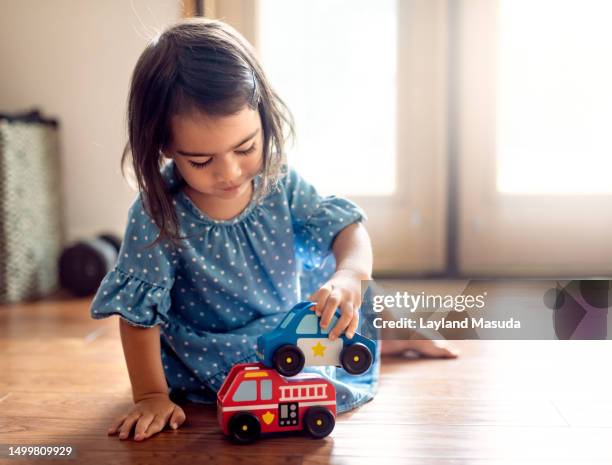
{"x":83,"y":265}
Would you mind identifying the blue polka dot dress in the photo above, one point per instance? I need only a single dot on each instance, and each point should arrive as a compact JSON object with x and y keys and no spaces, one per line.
{"x":229,"y":282}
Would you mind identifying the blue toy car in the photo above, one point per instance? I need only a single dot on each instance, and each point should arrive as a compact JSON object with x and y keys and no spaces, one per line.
{"x":300,"y":341}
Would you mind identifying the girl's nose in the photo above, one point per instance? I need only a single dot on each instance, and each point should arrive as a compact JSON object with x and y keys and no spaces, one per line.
{"x":229,"y":170}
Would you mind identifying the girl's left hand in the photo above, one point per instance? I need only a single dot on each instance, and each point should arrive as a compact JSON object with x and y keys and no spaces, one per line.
{"x":342,"y":290}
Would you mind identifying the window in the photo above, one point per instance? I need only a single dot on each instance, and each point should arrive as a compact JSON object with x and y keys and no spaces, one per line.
{"x":554,"y":97}
{"x":266,"y":389}
{"x":532,"y":101}
{"x":334,"y":64}
{"x":246,"y":391}
{"x":308,"y":325}
{"x":287,"y":320}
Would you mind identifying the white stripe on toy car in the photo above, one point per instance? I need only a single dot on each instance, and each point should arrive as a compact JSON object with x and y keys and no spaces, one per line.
{"x":320,"y":351}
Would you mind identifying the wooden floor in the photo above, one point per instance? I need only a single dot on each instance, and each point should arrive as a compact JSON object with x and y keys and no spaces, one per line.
{"x":62,"y":379}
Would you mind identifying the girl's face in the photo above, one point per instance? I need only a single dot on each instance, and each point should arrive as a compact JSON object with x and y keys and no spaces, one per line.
{"x":217,"y":156}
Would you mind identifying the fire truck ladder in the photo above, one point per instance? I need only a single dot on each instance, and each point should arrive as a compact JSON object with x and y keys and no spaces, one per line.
{"x":303,"y":392}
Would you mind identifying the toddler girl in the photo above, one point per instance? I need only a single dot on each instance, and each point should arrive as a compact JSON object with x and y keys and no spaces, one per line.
{"x":224,"y":237}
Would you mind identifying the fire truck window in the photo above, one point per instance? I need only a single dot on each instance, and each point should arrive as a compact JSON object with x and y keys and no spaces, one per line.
{"x":246,"y":391}
{"x":266,"y":389}
{"x":308,"y":325}
{"x":332,"y":323}
{"x":287,"y":319}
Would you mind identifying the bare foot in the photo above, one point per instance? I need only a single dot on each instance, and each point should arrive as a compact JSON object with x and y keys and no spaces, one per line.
{"x":423,"y":347}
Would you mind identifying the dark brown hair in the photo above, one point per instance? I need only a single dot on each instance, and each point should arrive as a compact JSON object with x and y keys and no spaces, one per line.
{"x":199,"y":65}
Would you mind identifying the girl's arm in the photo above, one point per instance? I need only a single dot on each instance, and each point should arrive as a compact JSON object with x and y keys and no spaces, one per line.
{"x":352,"y":249}
{"x":142,"y":350}
{"x":152,"y":408}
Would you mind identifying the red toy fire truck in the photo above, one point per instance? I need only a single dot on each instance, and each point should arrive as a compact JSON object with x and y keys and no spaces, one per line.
{"x":255,"y":399}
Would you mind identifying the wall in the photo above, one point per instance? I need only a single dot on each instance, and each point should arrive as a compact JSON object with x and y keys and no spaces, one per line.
{"x":74,"y":59}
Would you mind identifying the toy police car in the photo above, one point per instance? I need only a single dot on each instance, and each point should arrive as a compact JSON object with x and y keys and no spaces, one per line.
{"x":300,"y":341}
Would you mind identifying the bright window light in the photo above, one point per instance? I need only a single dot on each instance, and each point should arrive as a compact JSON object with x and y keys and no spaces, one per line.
{"x":554,"y":97}
{"x":334,"y":63}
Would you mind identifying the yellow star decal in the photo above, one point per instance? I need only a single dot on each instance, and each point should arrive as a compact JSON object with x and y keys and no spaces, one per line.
{"x":318,"y":350}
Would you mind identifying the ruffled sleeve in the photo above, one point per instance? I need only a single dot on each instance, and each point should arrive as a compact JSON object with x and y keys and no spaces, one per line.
{"x":138,"y":287}
{"x":317,"y":220}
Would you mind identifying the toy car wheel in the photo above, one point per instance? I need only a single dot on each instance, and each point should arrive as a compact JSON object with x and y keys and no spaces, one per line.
{"x":319,"y":422}
{"x":356,"y":358}
{"x":288,"y":360}
{"x":244,"y":427}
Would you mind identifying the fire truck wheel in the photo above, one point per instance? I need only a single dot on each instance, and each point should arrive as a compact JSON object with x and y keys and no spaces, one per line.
{"x":244,"y":427}
{"x":319,"y":422}
{"x":356,"y":358}
{"x":288,"y":360}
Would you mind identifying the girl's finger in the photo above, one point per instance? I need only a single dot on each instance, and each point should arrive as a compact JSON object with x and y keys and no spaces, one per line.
{"x":156,"y":425}
{"x":143,"y":423}
{"x":125,"y":429}
{"x":316,"y":294}
{"x":177,"y":418}
{"x":320,"y":296}
{"x":116,"y":424}
{"x":353,"y":325}
{"x":330,"y":306}
{"x":346,"y":310}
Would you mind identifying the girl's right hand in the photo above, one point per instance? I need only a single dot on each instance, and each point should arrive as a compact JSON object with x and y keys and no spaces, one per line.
{"x":150,"y":415}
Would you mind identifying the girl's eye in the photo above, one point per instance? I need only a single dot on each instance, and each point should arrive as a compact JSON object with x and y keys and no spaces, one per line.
{"x":200,"y":165}
{"x":251,"y":149}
